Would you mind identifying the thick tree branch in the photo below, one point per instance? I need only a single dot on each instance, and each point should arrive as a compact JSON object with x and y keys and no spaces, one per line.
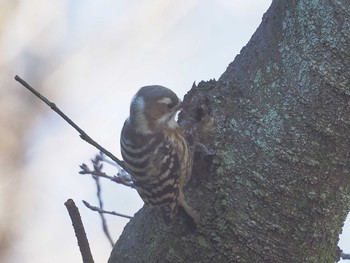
{"x":277,"y":189}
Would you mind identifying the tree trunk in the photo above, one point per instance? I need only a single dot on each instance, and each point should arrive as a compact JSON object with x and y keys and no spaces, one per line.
{"x":278,"y":187}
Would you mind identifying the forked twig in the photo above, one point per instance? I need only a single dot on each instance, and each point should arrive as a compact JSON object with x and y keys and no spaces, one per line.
{"x":122,"y":176}
{"x":96,"y":174}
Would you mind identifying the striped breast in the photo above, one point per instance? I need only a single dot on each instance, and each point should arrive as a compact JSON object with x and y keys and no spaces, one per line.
{"x":159,"y":164}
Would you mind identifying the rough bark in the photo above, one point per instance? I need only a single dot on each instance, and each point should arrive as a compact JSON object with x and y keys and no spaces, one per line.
{"x":278,"y":119}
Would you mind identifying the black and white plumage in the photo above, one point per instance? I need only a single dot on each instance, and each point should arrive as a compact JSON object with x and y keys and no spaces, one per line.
{"x":155,"y":151}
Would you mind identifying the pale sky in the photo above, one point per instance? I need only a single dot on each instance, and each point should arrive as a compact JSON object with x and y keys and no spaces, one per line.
{"x":97,"y":54}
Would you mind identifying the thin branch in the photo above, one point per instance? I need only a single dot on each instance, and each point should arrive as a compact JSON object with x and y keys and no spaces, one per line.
{"x":97,"y":172}
{"x":94,"y":208}
{"x":106,"y":160}
{"x":103,"y":219}
{"x":98,"y":168}
{"x":116,"y":179}
{"x":83,"y":134}
{"x":79,"y":230}
{"x":344,"y":255}
{"x":121,"y":178}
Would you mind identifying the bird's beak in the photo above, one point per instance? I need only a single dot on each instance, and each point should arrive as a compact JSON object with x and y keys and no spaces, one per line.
{"x":178,"y":106}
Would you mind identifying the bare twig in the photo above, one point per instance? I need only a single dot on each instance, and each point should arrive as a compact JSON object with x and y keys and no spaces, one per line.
{"x":98,"y":168}
{"x":344,"y":255}
{"x":83,"y":134}
{"x":121,"y":178}
{"x":79,"y":230}
{"x":103,"y":219}
{"x":94,"y":208}
{"x":96,"y":174}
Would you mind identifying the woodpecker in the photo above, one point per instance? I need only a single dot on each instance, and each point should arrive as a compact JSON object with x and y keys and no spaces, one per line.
{"x":156,"y":153}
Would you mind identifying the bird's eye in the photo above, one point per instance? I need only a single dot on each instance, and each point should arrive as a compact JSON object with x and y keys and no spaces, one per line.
{"x":171,"y":105}
{"x":167,"y":102}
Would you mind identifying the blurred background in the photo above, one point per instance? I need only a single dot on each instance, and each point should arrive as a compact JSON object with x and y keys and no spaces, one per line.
{"x":90,"y":57}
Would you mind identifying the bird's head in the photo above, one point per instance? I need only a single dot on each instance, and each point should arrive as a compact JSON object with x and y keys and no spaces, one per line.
{"x":154,"y":108}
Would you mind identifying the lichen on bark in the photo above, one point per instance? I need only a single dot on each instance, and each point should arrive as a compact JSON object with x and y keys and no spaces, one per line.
{"x":278,"y":187}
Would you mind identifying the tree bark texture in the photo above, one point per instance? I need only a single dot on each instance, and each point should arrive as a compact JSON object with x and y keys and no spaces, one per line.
{"x":278,"y":187}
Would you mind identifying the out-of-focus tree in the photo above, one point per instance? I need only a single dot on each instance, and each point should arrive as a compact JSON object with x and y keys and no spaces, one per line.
{"x":17,"y":112}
